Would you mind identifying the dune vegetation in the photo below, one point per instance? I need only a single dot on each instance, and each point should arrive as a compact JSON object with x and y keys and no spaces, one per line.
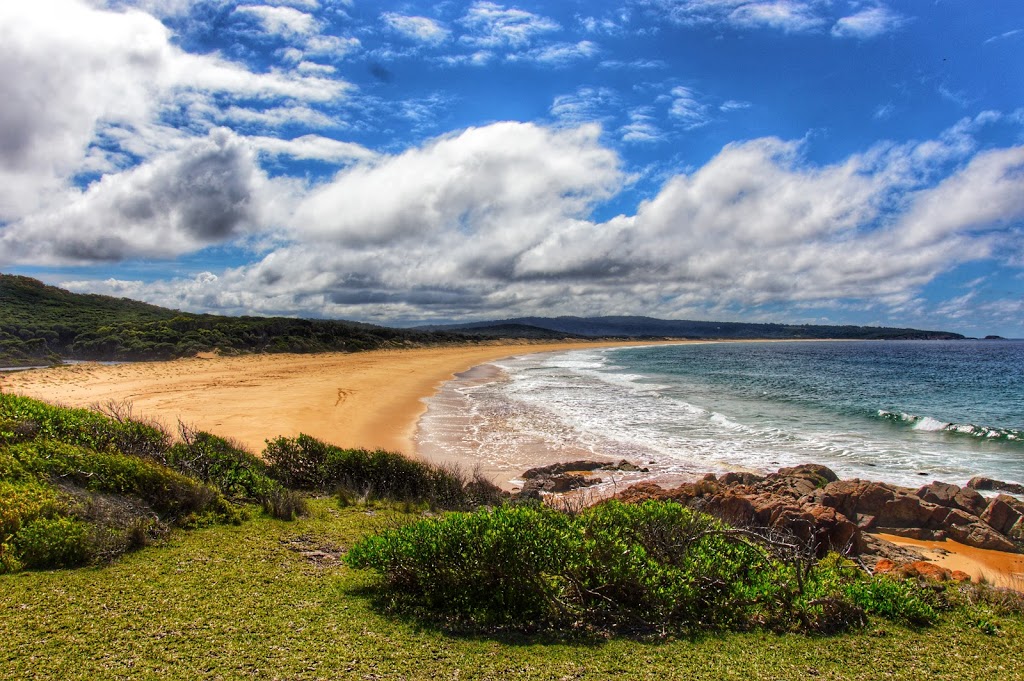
{"x":128,"y":551}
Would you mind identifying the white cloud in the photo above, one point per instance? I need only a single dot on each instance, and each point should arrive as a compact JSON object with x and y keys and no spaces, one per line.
{"x":497,"y":220}
{"x":506,"y":181}
{"x":492,"y":26}
{"x":790,"y":16}
{"x":284,"y":21}
{"x":105,"y":71}
{"x":734,"y":105}
{"x":210,"y":191}
{"x":558,"y":53}
{"x":585,"y":104}
{"x":868,"y":23}
{"x":422,"y":29}
{"x":313,"y":147}
{"x":687,"y":109}
{"x":641,"y":128}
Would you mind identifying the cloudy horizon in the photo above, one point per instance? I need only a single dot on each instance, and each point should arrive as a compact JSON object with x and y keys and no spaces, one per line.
{"x":794,"y":161}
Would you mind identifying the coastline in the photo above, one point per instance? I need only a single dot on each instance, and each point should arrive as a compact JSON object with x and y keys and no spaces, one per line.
{"x":370,"y":399}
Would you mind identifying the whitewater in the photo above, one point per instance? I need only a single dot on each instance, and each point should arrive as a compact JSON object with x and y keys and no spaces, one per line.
{"x":905,"y":412}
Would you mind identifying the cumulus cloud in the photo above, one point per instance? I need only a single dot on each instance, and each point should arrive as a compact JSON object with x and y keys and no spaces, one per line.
{"x":868,"y":23}
{"x":209,"y":192}
{"x":499,"y":220}
{"x":96,"y":71}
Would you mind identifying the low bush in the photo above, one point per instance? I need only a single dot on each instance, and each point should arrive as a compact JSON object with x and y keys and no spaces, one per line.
{"x":54,"y":542}
{"x":224,"y":464}
{"x":650,"y":567}
{"x":307,"y":463}
{"x":27,"y":419}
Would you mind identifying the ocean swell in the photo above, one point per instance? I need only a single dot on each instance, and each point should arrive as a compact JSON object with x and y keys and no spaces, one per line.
{"x":928,"y":423}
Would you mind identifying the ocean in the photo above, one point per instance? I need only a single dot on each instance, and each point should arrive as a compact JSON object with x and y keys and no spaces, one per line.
{"x":905,"y":412}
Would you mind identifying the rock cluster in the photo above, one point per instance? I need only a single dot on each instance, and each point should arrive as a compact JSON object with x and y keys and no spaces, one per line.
{"x":565,"y":477}
{"x":813,"y":504}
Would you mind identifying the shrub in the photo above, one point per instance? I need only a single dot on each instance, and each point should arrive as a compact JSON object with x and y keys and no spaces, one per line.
{"x":117,"y":431}
{"x":654,"y":566}
{"x":168,"y":492}
{"x":307,"y":463}
{"x":224,"y":464}
{"x":284,"y":504}
{"x":53,"y":543}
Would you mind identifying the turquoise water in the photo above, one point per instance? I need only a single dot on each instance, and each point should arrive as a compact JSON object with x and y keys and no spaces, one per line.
{"x":903,"y":412}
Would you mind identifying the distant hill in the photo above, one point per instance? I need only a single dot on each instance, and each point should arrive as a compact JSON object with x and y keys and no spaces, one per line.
{"x":648,"y":327}
{"x":40,"y":324}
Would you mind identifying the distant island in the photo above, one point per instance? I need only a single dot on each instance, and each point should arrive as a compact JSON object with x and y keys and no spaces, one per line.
{"x":41,"y":324}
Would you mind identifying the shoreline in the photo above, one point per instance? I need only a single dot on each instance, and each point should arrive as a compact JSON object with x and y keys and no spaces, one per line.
{"x":371,"y":399}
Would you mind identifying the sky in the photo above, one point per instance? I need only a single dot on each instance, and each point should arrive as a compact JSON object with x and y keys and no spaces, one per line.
{"x":795,"y":161}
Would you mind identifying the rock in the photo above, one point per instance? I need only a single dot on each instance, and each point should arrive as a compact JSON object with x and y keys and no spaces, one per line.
{"x":563,"y":467}
{"x":990,"y":485}
{"x":970,"y":500}
{"x":921,"y":569}
{"x":1016,"y":532}
{"x":582,"y":466}
{"x":556,"y":484}
{"x":913,"y":533}
{"x":1002,"y":513}
{"x":980,"y":536}
{"x":813,"y":471}
{"x":741,"y":479}
{"x":940,"y":493}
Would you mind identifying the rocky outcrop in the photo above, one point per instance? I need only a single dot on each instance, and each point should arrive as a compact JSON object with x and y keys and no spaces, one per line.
{"x":568,"y":476}
{"x":921,"y":568}
{"x":813,"y":504}
{"x":990,"y":485}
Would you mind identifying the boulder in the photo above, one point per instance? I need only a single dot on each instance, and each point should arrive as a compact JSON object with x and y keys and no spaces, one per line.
{"x":970,"y":500}
{"x":990,"y":485}
{"x":980,"y":536}
{"x":813,"y":471}
{"x":1002,"y":513}
{"x":940,"y":493}
{"x":921,"y":569}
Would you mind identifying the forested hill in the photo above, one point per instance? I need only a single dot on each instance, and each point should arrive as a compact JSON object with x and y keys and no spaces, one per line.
{"x":40,"y":323}
{"x":648,"y":327}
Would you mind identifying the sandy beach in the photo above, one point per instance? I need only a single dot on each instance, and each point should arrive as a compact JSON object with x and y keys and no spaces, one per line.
{"x":367,"y":399}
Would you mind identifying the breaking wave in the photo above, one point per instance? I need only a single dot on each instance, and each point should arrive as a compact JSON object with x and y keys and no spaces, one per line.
{"x":928,"y":423}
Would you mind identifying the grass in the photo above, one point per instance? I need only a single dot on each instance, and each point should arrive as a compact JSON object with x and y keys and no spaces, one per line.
{"x":243,"y":601}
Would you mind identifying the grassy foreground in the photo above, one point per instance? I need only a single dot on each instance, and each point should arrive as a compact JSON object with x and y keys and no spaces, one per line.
{"x":246,"y":601}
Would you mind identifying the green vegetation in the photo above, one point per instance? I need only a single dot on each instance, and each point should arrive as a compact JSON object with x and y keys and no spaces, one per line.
{"x":306,"y":463}
{"x":80,"y":486}
{"x":650,"y":567}
{"x":651,"y":590}
{"x":40,"y":324}
{"x":269,"y":599}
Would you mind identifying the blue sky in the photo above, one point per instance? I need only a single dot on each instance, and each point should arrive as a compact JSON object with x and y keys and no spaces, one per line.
{"x":825,"y":161}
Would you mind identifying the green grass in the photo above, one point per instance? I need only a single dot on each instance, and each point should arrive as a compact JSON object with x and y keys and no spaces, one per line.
{"x":241,"y":602}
